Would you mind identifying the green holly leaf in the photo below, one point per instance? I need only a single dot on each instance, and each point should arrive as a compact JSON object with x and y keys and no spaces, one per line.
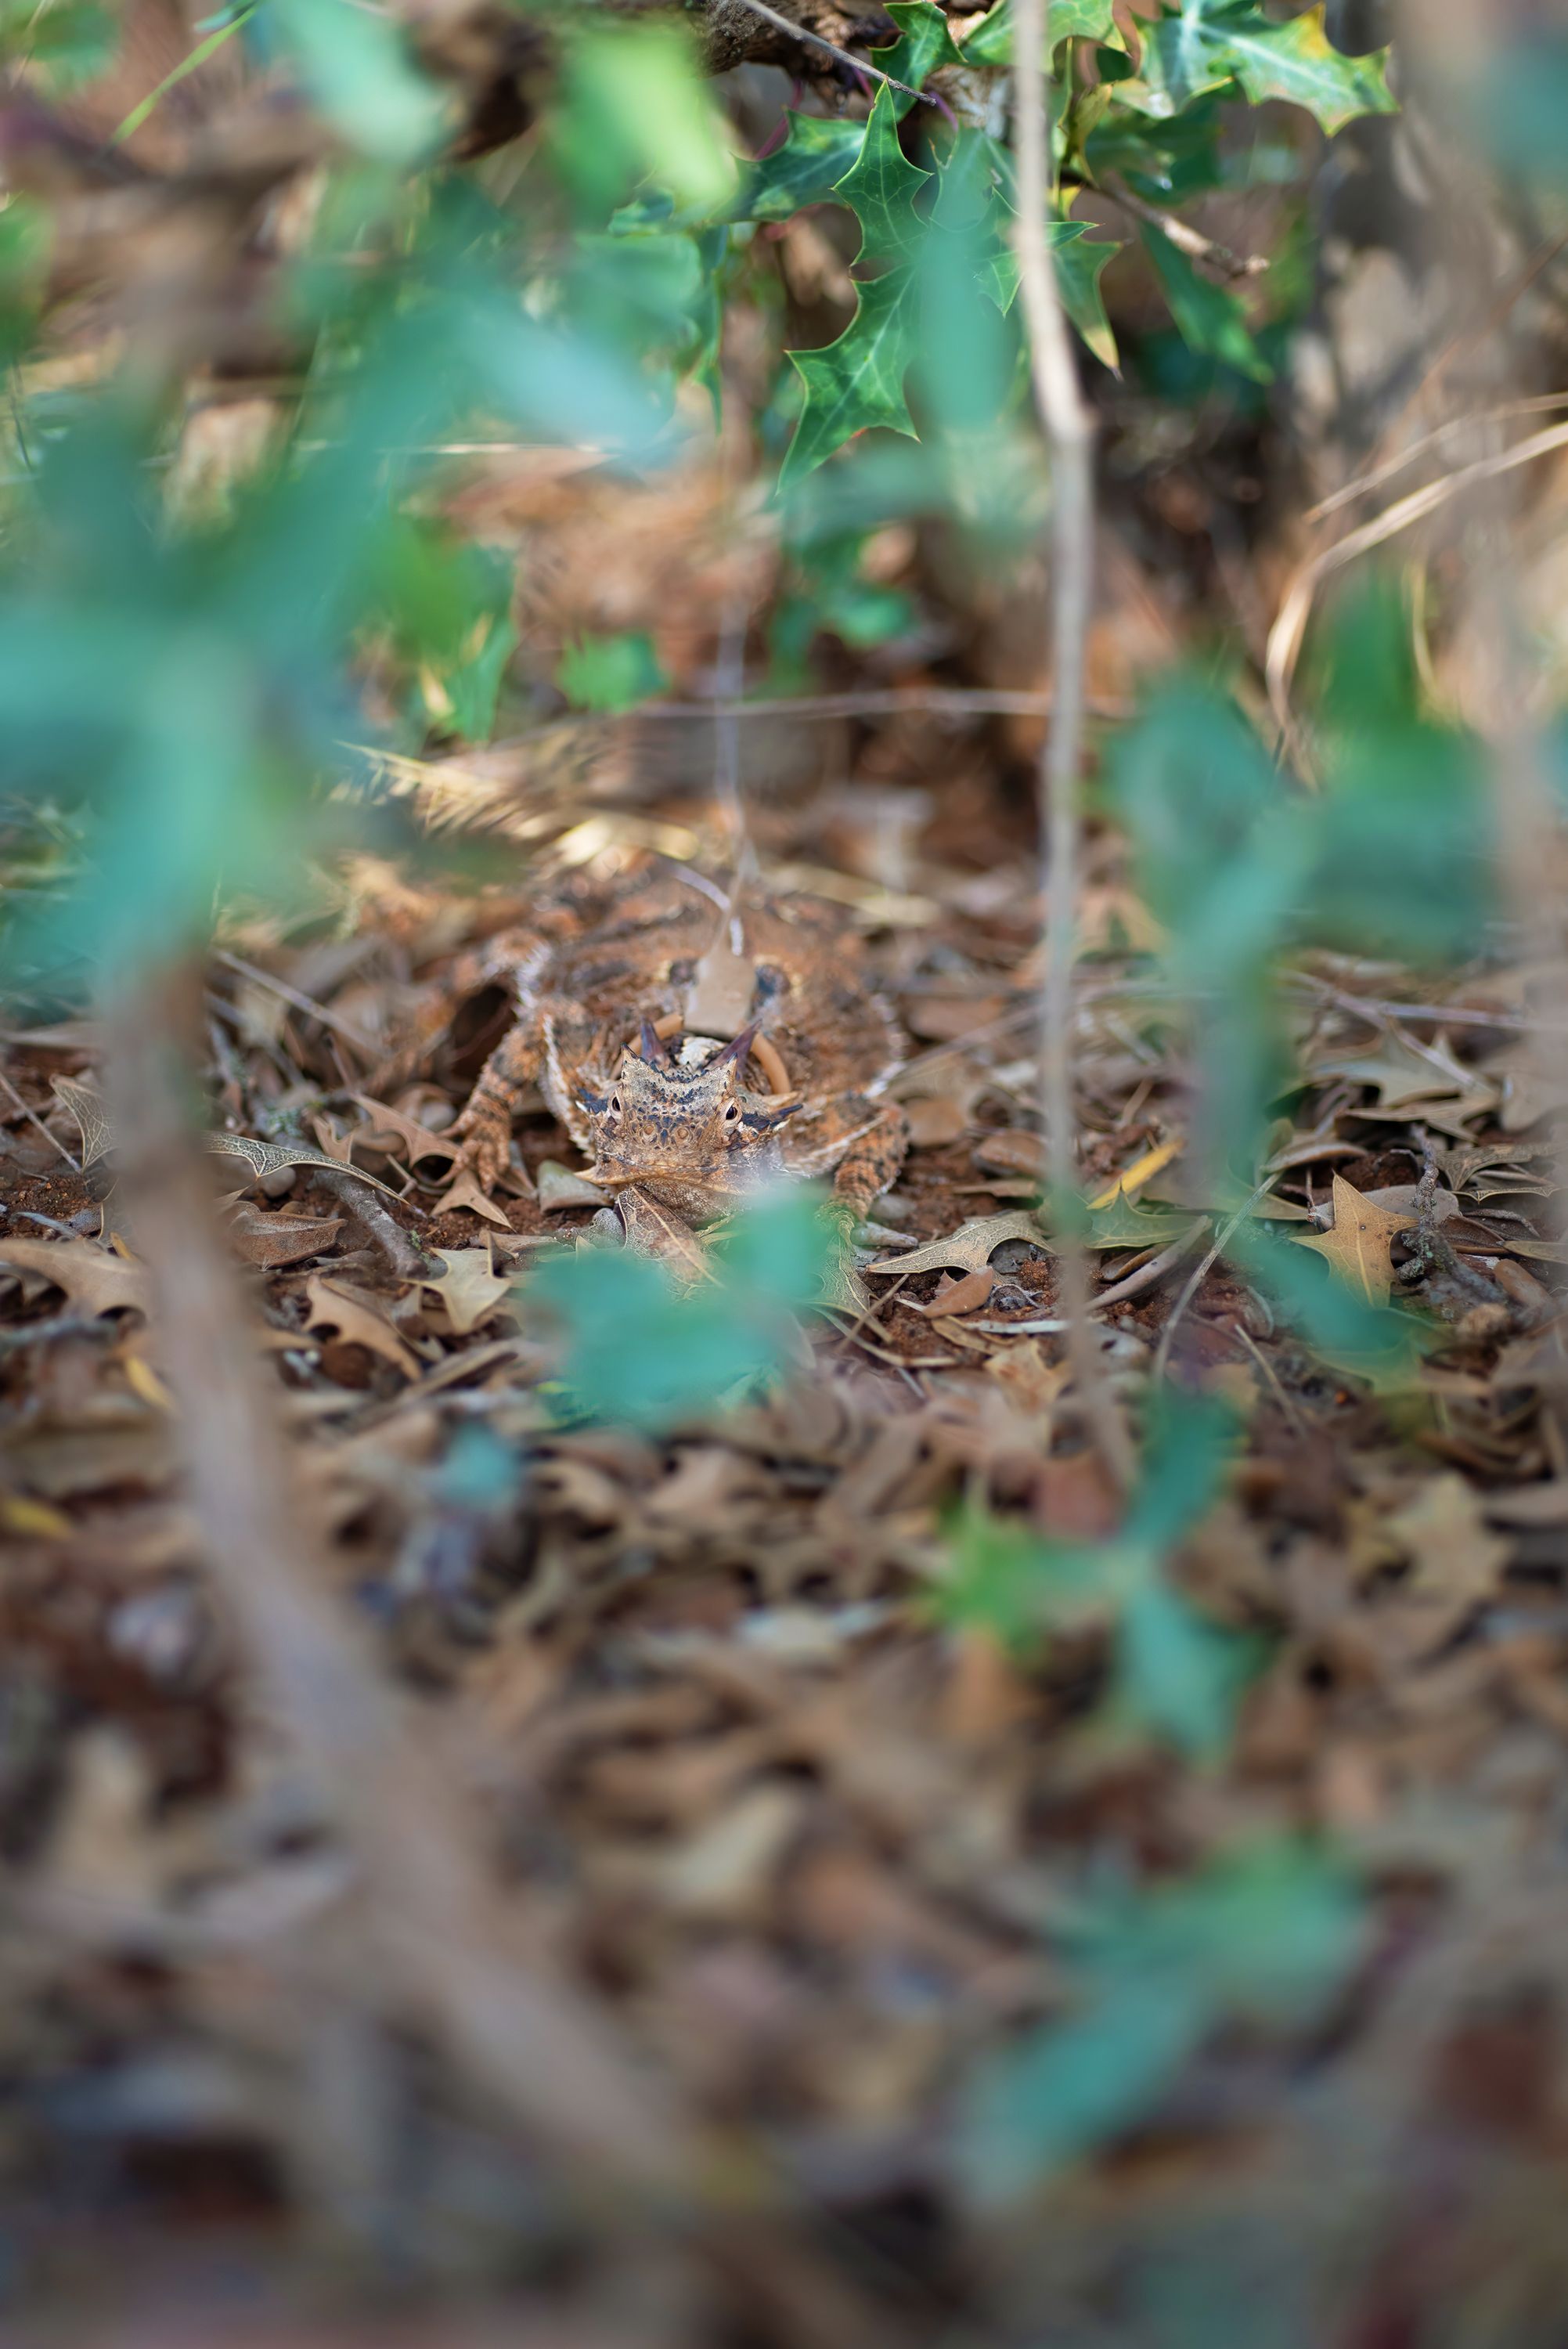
{"x":990,"y":42}
{"x":806,"y":169}
{"x":1131,"y":1222}
{"x":925,"y":43}
{"x":1078,"y":266}
{"x":858,"y":381}
{"x":1201,"y":44}
{"x":1210,"y":317}
{"x":880,"y":187}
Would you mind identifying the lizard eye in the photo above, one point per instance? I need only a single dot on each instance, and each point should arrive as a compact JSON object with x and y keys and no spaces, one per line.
{"x":615,"y":1104}
{"x":731,"y":1112}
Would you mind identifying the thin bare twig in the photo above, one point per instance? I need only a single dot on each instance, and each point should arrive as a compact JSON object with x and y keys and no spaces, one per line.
{"x":1069,"y":428}
{"x":889,"y":701}
{"x":34,"y":1119}
{"x":274,"y":984}
{"x":1187,"y":240}
{"x":816,"y":41}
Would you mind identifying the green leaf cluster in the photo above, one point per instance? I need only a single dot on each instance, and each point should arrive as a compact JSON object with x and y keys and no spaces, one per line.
{"x":1264,"y":1935}
{"x":1174,"y":1671}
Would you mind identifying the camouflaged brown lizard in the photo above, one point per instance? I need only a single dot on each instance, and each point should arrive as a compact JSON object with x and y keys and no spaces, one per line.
{"x":694,"y":1052}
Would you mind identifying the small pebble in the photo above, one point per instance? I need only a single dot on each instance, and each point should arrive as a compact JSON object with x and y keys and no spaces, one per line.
{"x":279,"y":1183}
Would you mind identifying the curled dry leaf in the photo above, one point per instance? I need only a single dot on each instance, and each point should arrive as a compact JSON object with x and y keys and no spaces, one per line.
{"x":470,"y":1287}
{"x":271,"y":1240}
{"x":964,"y":1295}
{"x":270,"y":1157}
{"x":357,"y":1323}
{"x":970,"y":1247}
{"x":92,"y":1276}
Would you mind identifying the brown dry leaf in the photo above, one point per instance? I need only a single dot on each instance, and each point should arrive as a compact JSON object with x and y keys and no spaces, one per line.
{"x":465,"y":1192}
{"x":415,"y":1141}
{"x":944,"y":1019}
{"x":89,"y":1111}
{"x":932,"y":1122}
{"x":1011,"y":1153}
{"x":95,"y":1278}
{"x":1457,"y":1563}
{"x":270,"y":1157}
{"x":1403,"y":1075}
{"x":970,"y":1249}
{"x":270,"y":1239}
{"x":964,"y":1295}
{"x":655,"y":1231}
{"x":562,"y":1187}
{"x":470,"y":1288}
{"x":1358,"y":1247}
{"x":1026,"y":1378}
{"x":357,"y":1323}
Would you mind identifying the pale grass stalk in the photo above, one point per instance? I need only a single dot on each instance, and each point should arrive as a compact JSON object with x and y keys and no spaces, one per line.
{"x":1069,"y":427}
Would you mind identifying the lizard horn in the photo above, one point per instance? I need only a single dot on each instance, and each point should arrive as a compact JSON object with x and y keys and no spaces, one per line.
{"x":738,"y":1047}
{"x":651,"y":1045}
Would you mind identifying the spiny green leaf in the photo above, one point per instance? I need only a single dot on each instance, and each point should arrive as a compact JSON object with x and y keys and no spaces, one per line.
{"x":1079,"y":265}
{"x":1201,"y":44}
{"x":1210,"y":317}
{"x":806,"y":169}
{"x":990,"y":42}
{"x":857,"y":381}
{"x":880,"y":187}
{"x":1130,"y":1223}
{"x":925,"y":43}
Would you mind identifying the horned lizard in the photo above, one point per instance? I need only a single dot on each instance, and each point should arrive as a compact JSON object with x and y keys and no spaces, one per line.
{"x":695,"y":1050}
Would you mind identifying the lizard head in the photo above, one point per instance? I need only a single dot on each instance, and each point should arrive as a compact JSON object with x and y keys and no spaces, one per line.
{"x":693,"y":1135}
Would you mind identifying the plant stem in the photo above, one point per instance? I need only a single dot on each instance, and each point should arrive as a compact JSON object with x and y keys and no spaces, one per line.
{"x":1069,"y":427}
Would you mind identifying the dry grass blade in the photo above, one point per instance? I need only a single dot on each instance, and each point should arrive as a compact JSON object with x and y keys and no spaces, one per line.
{"x":1289,"y":630}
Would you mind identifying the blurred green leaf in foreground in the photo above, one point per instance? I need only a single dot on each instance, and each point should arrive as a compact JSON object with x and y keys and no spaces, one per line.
{"x":1174,"y":1671}
{"x":642,"y":1349}
{"x":1263,"y":1937}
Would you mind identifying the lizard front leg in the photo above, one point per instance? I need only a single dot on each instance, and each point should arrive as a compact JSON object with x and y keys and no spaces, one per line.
{"x":870,"y":1165}
{"x":484,"y":1129}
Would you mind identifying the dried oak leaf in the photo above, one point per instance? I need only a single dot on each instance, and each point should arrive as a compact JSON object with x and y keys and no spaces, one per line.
{"x":270,"y":1157}
{"x":470,"y":1288}
{"x":970,"y":1247}
{"x":1360,"y":1246}
{"x":357,"y":1323}
{"x":465,"y":1192}
{"x":91,"y":1119}
{"x":92,"y":1276}
{"x":415,"y":1141}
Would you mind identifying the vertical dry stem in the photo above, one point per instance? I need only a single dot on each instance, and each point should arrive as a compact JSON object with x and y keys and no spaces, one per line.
{"x":1069,"y":427}
{"x":452,"y":1951}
